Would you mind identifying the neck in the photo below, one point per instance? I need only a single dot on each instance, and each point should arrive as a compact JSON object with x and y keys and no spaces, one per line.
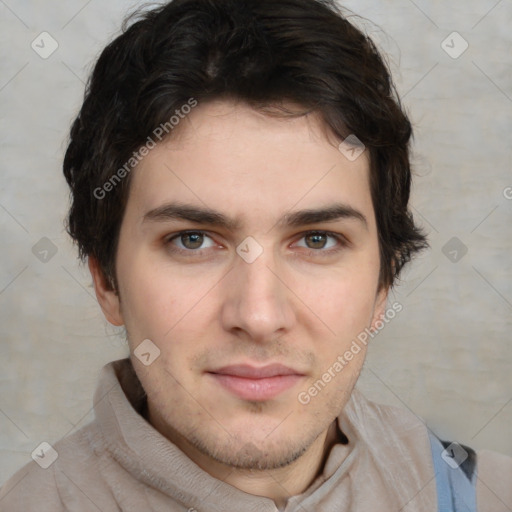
{"x":278,"y":484}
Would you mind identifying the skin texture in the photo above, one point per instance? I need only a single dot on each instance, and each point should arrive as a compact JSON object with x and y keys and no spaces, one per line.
{"x":297,"y":304}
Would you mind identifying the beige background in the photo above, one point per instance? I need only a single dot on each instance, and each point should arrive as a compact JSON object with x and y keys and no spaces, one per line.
{"x":447,"y":356}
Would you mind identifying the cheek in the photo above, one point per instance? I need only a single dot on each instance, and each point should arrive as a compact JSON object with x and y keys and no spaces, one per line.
{"x":346,"y":302}
{"x":149,"y":303}
{"x":168,"y":309}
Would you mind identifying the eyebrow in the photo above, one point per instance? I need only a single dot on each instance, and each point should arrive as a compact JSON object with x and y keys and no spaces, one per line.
{"x":203,"y":215}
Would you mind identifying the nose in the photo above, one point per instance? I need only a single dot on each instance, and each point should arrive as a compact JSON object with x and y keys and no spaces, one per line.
{"x":258,"y":303}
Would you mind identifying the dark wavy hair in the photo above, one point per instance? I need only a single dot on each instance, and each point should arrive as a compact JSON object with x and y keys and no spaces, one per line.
{"x":261,"y":52}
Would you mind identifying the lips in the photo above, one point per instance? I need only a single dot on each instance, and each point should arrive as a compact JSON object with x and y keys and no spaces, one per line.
{"x":252,"y":372}
{"x":256,"y":384}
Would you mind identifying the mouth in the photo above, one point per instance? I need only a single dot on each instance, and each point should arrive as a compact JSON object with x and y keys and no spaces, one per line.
{"x":256,"y":383}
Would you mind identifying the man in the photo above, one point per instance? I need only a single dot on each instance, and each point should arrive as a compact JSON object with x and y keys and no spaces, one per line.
{"x":240,"y":179}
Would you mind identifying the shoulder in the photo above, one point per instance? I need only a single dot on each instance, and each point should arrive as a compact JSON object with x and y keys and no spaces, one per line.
{"x":45,"y":485}
{"x":407,"y":436}
{"x":31,"y":488}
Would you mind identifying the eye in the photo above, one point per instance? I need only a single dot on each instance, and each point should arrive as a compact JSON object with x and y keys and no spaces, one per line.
{"x":191,"y":241}
{"x":319,"y":240}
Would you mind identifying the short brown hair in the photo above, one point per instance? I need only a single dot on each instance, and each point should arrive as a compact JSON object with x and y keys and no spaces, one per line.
{"x":262,"y":52}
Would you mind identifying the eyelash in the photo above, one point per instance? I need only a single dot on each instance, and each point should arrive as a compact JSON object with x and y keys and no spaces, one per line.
{"x":342,"y":243}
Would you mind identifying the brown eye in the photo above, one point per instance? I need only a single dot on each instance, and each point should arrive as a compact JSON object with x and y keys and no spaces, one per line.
{"x":316,"y":240}
{"x":192,"y":244}
{"x":322,"y":242}
{"x":192,"y":240}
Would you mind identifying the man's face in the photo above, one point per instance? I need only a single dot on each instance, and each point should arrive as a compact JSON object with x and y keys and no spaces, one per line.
{"x":221,"y":317}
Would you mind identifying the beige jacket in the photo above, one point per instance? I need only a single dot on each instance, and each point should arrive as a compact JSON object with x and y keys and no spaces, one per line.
{"x":119,"y":462}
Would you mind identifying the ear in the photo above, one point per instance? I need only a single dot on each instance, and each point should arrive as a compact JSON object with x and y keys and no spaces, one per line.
{"x":107,"y":297}
{"x":380,"y":305}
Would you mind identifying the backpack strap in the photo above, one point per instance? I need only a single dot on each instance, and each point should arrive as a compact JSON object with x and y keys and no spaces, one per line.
{"x":455,"y":471}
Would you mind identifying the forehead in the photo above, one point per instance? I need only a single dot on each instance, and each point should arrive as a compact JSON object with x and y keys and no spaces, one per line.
{"x":235,"y":159}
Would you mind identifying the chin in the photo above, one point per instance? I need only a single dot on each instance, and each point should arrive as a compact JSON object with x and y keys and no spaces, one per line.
{"x":252,"y":456}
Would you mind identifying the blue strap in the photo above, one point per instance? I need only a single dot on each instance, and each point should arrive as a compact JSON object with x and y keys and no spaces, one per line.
{"x":456,"y":489}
